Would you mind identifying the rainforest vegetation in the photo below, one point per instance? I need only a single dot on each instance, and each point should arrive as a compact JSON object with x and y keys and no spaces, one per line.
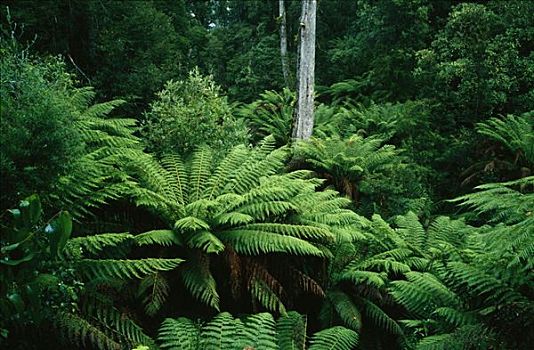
{"x":159,"y":187}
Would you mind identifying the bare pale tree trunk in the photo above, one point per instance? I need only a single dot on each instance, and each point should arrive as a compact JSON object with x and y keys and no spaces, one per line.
{"x":283,"y":40}
{"x":304,"y":109}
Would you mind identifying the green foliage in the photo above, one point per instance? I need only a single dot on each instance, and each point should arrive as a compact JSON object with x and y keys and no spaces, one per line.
{"x":515,"y":133}
{"x":49,"y":278}
{"x":423,"y":97}
{"x":190,"y":113}
{"x":338,"y":338}
{"x":258,"y":331}
{"x":93,"y":179}
{"x":238,"y":205}
{"x":271,"y":114}
{"x":474,"y":75}
{"x":156,"y":54}
{"x":361,"y":168}
{"x":39,"y":139}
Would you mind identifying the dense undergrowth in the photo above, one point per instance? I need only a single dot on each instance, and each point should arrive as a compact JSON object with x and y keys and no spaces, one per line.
{"x":405,"y":222}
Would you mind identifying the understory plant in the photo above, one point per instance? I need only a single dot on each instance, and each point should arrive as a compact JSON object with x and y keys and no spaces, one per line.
{"x":242,"y":217}
{"x":50,"y":279}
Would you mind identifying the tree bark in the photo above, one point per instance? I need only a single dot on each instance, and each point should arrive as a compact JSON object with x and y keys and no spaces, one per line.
{"x":283,"y":41}
{"x":304,"y":109}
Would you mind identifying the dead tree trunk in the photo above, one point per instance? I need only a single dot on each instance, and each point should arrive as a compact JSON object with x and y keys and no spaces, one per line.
{"x":304,"y":109}
{"x":283,"y":41}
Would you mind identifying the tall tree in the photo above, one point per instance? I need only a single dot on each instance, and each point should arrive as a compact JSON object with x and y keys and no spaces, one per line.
{"x":303,"y":117}
{"x":283,"y":40}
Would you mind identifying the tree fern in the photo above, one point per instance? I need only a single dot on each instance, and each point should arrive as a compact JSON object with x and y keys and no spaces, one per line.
{"x":514,"y":132}
{"x":241,"y":203}
{"x":94,"y":180}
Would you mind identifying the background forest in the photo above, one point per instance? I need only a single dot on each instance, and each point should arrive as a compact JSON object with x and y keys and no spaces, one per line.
{"x":152,"y":197}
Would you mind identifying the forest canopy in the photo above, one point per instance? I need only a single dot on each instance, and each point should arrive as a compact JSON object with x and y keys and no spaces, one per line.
{"x":253,"y":174}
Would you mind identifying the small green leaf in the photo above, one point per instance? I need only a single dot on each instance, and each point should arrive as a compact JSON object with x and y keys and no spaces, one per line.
{"x":61,"y":229}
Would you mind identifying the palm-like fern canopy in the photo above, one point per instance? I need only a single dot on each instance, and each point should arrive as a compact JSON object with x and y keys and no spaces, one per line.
{"x":241,"y":205}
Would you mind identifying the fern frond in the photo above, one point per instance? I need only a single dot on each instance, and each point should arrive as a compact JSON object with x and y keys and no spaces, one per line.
{"x":379,"y":317}
{"x":80,"y":331}
{"x":155,"y":290}
{"x":411,"y":230}
{"x":454,"y":317}
{"x":179,"y":334}
{"x":471,"y":337}
{"x":346,"y":309}
{"x":200,"y":172}
{"x":251,"y":242}
{"x":222,"y":332}
{"x":384,"y":265}
{"x":121,"y":326}
{"x":225,"y":170}
{"x":204,"y":240}
{"x":335,"y":338}
{"x":267,"y":298}
{"x":298,"y":231}
{"x":125,"y":269}
{"x":291,"y":330}
{"x":259,"y":332}
{"x":176,"y":177}
{"x":370,"y":278}
{"x":164,"y":238}
{"x":514,"y":132}
{"x":96,"y":243}
{"x":199,"y":280}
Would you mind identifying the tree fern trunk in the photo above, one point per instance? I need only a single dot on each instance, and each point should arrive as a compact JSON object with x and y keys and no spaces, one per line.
{"x":303,"y":116}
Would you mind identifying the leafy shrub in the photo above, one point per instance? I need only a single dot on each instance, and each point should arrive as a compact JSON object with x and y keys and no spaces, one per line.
{"x":39,"y":139}
{"x":49,"y":279}
{"x":188,"y":114}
